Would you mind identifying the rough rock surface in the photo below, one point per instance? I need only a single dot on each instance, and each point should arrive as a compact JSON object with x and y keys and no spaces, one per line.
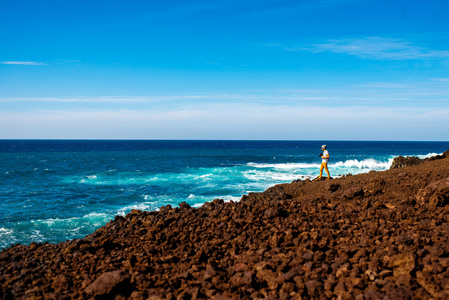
{"x":381,"y":235}
{"x":401,"y":161}
{"x":435,"y":194}
{"x":110,"y":283}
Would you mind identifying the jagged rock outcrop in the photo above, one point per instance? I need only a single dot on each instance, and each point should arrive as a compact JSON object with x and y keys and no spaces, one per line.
{"x":442,"y":156}
{"x":401,"y":161}
{"x":381,"y":235}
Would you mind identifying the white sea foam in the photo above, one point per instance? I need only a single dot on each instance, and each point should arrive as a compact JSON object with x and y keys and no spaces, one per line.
{"x":65,"y":221}
{"x":195,"y":176}
{"x":53,"y":229}
{"x":353,"y":163}
{"x":5,"y":232}
{"x":270,"y":176}
{"x":7,"y":237}
{"x":285,"y":172}
{"x":230,"y":198}
{"x":227,"y":198}
{"x":284,"y":166}
{"x":95,"y":215}
{"x":370,"y":164}
{"x":37,"y":235}
{"x":428,"y":155}
{"x":137,"y":178}
{"x":150,"y":203}
{"x":140,"y":206}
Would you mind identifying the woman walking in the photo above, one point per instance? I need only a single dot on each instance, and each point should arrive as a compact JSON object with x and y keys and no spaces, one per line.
{"x":324,"y":161}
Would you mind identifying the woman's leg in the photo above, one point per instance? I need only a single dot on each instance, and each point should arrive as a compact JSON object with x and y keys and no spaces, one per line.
{"x":327,"y":171}
{"x":321,"y":170}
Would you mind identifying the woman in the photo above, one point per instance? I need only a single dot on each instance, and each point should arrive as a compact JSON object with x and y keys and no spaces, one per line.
{"x":325,"y":160}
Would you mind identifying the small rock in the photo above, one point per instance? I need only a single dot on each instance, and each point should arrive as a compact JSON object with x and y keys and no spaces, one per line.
{"x":184,"y":206}
{"x":110,"y":283}
{"x":353,"y":192}
{"x":332,"y":187}
{"x":402,"y":264}
{"x":434,"y":194}
{"x":314,"y":288}
{"x":371,"y":274}
{"x":60,"y":283}
{"x":271,"y":212}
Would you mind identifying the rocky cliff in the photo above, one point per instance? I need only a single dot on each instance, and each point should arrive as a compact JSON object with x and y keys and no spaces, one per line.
{"x":370,"y":236}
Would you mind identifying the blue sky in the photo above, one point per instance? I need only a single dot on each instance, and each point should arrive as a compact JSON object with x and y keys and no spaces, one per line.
{"x":297,"y":70}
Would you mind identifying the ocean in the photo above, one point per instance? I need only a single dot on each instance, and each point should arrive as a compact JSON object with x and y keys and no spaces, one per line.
{"x":56,"y":190}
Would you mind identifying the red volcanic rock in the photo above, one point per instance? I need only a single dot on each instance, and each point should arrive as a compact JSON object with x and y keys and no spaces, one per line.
{"x":353,"y":192}
{"x":110,"y":284}
{"x":401,"y":161}
{"x":435,"y":193}
{"x":381,"y":235}
{"x":402,"y":264}
{"x":60,"y":283}
{"x":444,"y":155}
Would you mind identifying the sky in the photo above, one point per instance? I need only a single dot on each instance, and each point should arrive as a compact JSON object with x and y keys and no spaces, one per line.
{"x":225,"y":70}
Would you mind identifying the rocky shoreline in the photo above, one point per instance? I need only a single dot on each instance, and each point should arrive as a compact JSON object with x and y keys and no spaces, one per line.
{"x":381,"y":235}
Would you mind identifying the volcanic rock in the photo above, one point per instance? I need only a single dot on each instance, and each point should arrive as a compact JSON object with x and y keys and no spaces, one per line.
{"x":435,"y":193}
{"x":401,"y":161}
{"x":381,"y":235}
{"x":109,"y":284}
{"x":444,"y":155}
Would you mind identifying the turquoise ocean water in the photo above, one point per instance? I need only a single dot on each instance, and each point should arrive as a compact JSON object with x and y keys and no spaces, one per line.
{"x":55,"y":190}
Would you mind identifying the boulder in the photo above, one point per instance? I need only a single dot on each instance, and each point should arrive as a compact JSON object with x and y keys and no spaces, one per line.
{"x":434,"y":194}
{"x":401,"y":161}
{"x":353,"y":192}
{"x":109,"y":284}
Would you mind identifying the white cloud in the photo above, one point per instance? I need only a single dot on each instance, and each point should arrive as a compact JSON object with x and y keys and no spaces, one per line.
{"x":25,"y":63}
{"x":371,"y":111}
{"x":441,"y":79}
{"x":426,"y":93}
{"x":180,"y":98}
{"x":244,"y":121}
{"x":376,"y":48}
{"x":386,"y":85}
{"x":106,"y":99}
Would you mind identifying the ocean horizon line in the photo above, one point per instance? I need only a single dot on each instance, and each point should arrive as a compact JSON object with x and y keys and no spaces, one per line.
{"x":222,"y":140}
